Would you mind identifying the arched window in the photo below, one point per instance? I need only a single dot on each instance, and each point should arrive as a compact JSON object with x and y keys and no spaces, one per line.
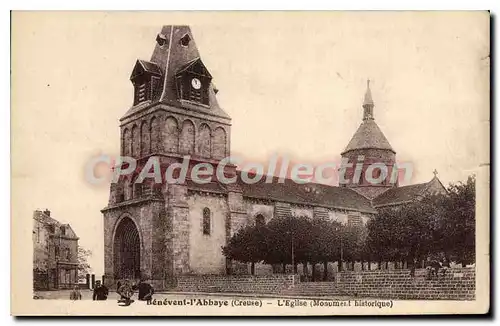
{"x":136,"y":142}
{"x":206,"y":221}
{"x":127,"y":142}
{"x":204,"y":141}
{"x":260,"y":220}
{"x":186,"y":142}
{"x":155,"y":135}
{"x":219,"y":143}
{"x":171,"y":135}
{"x":144,"y":138}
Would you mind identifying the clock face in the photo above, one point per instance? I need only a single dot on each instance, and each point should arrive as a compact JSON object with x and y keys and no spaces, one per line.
{"x":196,"y":83}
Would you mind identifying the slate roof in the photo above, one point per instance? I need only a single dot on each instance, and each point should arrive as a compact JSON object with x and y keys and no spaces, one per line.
{"x":309,"y":194}
{"x":400,"y":195}
{"x":146,"y":66}
{"x":195,"y":63}
{"x":290,"y":192}
{"x":315,"y":194}
{"x":170,"y":58}
{"x":150,"y":67}
{"x":367,"y":136}
{"x":45,"y":219}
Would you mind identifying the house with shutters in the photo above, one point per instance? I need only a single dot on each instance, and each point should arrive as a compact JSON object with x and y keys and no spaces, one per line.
{"x":55,"y":253}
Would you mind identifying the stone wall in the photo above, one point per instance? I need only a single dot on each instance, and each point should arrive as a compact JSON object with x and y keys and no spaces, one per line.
{"x":155,"y":131}
{"x":205,"y":250}
{"x":456,"y":284}
{"x":236,"y":283}
{"x":148,"y":215}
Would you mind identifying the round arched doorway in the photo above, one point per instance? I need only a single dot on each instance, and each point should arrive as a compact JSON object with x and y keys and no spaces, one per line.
{"x":127,"y":250}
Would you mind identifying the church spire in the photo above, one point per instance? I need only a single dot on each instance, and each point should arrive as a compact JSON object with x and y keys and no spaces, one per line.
{"x":368,"y":103}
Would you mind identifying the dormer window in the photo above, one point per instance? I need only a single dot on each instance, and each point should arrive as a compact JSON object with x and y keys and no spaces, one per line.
{"x":193,"y":82}
{"x":161,"y":39}
{"x":147,"y":81}
{"x":184,"y":41}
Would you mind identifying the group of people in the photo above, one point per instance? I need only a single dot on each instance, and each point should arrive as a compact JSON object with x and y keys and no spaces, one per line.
{"x":125,"y":291}
{"x":435,"y":267}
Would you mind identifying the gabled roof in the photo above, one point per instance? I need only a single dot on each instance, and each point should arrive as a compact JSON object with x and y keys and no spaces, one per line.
{"x":367,"y":136}
{"x":45,"y":219}
{"x":196,"y":66}
{"x":400,"y":195}
{"x":145,"y":66}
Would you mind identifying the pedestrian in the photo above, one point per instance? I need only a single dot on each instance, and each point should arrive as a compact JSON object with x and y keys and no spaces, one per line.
{"x":100,"y":292}
{"x":121,"y":298}
{"x":125,"y":291}
{"x":75,"y":294}
{"x":146,"y":291}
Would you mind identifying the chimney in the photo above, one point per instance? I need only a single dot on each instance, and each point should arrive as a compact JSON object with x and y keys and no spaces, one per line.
{"x":46,"y":212}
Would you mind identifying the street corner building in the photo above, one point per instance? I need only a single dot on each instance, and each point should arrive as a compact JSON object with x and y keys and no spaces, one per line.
{"x":160,"y":231}
{"x":55,"y":253}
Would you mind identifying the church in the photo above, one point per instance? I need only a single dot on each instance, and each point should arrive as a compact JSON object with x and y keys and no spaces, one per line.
{"x":157,"y":231}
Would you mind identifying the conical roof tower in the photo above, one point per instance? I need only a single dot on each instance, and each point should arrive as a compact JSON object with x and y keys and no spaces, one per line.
{"x":368,"y":146}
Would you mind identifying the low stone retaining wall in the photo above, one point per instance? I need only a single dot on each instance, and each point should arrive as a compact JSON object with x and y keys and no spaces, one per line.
{"x":456,"y":284}
{"x":272,"y":284}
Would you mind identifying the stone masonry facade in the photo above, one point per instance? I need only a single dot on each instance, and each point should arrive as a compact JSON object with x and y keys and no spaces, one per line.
{"x":161,"y":231}
{"x":55,"y":253}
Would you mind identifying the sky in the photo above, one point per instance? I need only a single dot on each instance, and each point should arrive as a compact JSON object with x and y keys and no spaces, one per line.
{"x":293,"y":84}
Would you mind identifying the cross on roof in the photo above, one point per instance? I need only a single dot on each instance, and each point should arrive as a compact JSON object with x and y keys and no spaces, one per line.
{"x":435,"y":172}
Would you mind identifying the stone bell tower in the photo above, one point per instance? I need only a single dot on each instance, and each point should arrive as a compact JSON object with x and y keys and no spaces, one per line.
{"x":174,"y":113}
{"x":367,"y":147}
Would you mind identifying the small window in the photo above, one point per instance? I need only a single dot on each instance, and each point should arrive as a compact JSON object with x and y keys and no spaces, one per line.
{"x":260,"y":220}
{"x":206,"y":221}
{"x":184,"y":41}
{"x":161,"y":39}
{"x":68,"y":254}
{"x":63,"y":230}
{"x":56,"y":251}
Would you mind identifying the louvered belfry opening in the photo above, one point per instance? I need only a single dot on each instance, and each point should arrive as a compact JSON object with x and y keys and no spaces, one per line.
{"x":127,"y":251}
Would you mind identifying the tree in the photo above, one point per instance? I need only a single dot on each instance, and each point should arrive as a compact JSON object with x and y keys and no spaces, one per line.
{"x":403,"y":233}
{"x":293,"y":240}
{"x":247,"y":245}
{"x":287,"y":234}
{"x":434,"y":224}
{"x":83,"y":265}
{"x":457,"y":223}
